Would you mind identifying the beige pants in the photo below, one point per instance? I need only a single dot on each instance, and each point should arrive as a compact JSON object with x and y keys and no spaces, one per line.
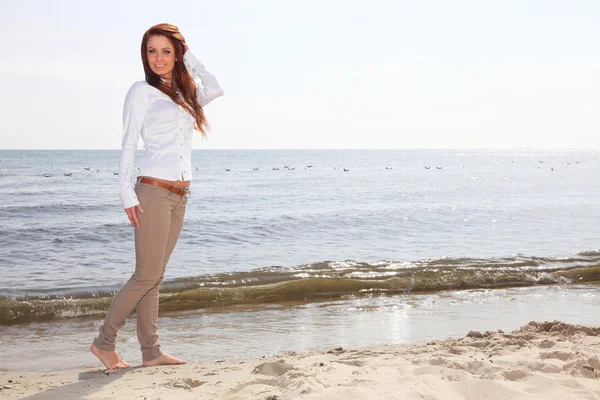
{"x":160,"y":225}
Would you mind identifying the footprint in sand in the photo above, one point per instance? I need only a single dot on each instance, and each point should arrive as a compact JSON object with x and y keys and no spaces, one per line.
{"x":546,"y":344}
{"x":193,"y":383}
{"x":559,"y":355}
{"x":275,"y":368}
{"x":515,"y":374}
{"x":187,"y":383}
{"x":352,"y":363}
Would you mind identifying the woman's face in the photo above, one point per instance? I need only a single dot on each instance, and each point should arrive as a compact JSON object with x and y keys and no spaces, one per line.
{"x":161,"y":56}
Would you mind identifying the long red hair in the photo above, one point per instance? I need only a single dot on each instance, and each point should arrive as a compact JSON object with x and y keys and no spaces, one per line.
{"x":182,"y":81}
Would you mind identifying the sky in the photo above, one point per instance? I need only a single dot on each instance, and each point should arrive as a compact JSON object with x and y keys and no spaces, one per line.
{"x":314,"y":74}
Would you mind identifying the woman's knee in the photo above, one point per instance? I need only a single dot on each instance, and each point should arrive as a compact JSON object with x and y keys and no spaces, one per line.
{"x":147,"y":279}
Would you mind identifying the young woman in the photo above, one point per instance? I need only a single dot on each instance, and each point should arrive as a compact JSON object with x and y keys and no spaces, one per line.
{"x":164,"y":110}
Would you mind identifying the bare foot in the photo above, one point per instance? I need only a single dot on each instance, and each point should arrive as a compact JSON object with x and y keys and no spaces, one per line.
{"x":163,"y":359}
{"x":110,"y":359}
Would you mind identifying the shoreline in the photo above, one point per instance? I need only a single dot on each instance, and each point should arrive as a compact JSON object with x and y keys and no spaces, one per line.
{"x":246,"y":332}
{"x":540,"y":360}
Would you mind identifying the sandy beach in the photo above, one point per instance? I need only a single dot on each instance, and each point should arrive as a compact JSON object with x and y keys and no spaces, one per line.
{"x":541,"y":360}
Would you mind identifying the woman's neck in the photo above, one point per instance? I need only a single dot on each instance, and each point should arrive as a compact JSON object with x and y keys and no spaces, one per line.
{"x":167,"y":80}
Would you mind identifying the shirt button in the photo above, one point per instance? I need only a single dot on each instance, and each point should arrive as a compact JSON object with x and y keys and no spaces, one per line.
{"x":180,"y":156}
{"x":181,"y":144}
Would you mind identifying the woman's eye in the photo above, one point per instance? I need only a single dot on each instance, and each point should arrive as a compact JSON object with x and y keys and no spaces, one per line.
{"x":150,"y":51}
{"x":167,"y":52}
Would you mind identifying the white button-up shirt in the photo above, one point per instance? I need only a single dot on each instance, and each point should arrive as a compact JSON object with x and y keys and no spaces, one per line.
{"x":166,"y":128}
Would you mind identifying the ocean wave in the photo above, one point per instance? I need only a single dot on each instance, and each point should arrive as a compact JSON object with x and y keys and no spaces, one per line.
{"x":104,"y":232}
{"x":317,"y":281}
{"x":56,"y":209}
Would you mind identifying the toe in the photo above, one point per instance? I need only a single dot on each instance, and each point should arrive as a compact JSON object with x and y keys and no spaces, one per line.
{"x":120,"y":365}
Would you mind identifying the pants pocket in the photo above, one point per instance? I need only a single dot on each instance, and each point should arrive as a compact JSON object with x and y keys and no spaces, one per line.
{"x":148,"y":194}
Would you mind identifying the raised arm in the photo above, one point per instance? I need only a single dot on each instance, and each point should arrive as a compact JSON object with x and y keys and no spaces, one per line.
{"x":209,"y":88}
{"x":134,"y":111}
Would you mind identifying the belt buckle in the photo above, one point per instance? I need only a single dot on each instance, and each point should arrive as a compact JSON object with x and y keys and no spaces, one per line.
{"x":186,"y":191}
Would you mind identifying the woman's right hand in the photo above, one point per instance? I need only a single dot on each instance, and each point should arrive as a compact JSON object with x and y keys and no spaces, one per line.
{"x":132,"y":215}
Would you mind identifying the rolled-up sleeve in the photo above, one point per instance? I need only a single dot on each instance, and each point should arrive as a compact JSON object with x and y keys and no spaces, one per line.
{"x":208,"y":89}
{"x":134,"y":111}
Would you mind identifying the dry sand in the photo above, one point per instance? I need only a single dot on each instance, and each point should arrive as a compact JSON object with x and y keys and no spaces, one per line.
{"x":542,"y":360}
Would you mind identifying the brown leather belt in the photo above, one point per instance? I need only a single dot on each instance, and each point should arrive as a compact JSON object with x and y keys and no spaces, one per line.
{"x":185,"y":191}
